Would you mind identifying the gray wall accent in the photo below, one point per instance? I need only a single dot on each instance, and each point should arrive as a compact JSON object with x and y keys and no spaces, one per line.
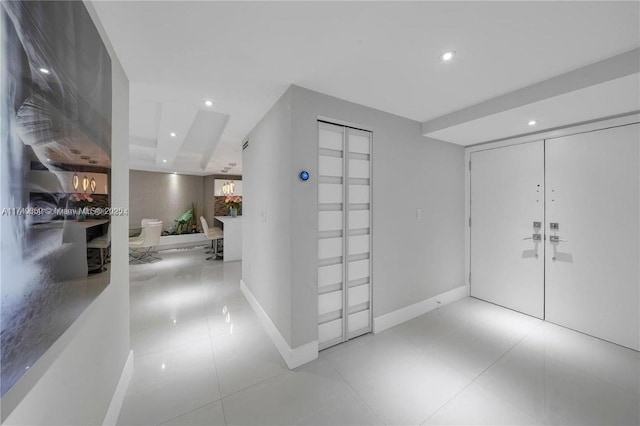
{"x":163,"y":196}
{"x":606,"y":70}
{"x":267,"y":229}
{"x":74,"y":381}
{"x":412,"y":259}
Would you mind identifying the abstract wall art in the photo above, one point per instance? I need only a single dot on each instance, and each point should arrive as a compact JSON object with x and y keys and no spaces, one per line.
{"x":55,"y":170}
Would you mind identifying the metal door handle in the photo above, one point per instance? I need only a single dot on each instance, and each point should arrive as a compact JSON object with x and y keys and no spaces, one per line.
{"x":534,"y":237}
{"x":556,"y":239}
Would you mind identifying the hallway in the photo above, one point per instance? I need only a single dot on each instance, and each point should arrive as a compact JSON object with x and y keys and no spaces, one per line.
{"x":202,"y":357}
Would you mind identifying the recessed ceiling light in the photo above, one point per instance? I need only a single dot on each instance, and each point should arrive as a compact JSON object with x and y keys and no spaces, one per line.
{"x":208,"y":103}
{"x":164,"y":161}
{"x":45,"y":71}
{"x":532,"y":122}
{"x":93,"y":162}
{"x":223,"y":171}
{"x":447,"y":56}
{"x":172,"y":134}
{"x":85,"y":157}
{"x":233,"y":164}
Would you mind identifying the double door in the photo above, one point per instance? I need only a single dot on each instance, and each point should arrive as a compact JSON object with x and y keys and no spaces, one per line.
{"x":344,"y":233}
{"x":555,"y":231}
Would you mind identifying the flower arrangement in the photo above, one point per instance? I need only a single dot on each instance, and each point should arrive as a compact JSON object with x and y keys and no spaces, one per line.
{"x":81,"y":198}
{"x":234,"y":201}
{"x":81,"y":201}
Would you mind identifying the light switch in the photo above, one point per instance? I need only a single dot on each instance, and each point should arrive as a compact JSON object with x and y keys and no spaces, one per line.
{"x":418,"y":214}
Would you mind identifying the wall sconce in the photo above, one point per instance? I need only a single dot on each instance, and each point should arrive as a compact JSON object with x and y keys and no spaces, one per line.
{"x":85,"y":183}
{"x":76,"y":181}
{"x":93,"y":184}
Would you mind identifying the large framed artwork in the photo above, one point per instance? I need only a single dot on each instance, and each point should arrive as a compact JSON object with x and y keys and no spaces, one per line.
{"x":55,"y":174}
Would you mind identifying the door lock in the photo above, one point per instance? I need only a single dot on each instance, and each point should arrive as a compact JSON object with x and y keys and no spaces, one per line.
{"x":554,"y":226}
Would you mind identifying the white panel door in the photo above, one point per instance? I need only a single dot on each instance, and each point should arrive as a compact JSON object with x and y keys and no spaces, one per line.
{"x":358,"y":252}
{"x":331,"y":243}
{"x":344,"y":234}
{"x":507,"y":197}
{"x":592,"y":278}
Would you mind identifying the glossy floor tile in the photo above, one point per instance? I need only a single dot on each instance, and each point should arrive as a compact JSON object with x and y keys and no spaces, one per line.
{"x":201,"y":357}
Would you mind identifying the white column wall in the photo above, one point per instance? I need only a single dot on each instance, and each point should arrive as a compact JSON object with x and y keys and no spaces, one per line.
{"x":266,"y":212}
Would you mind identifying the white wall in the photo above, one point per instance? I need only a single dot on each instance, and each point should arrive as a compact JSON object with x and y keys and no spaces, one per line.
{"x":413,"y":260}
{"x":73,"y":382}
{"x":266,"y":236}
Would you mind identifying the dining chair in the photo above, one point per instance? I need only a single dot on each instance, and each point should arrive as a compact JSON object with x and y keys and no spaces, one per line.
{"x":140,"y":248}
{"x":213,"y":234}
{"x":102,"y":243}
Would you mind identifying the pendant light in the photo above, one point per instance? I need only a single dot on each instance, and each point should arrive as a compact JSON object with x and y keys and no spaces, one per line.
{"x":85,"y":183}
{"x":75,"y":180}
{"x":93,"y":185}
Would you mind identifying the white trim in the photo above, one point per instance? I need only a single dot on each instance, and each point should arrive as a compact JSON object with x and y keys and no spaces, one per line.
{"x":343,"y":123}
{"x":568,"y":130}
{"x":293,"y":357}
{"x":118,"y":395}
{"x":407,"y":313}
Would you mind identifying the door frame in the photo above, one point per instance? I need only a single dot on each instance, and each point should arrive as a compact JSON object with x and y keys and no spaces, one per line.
{"x":568,"y":130}
{"x":320,"y":120}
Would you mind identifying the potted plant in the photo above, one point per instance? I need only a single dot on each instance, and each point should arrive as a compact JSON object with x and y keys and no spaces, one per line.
{"x":234,"y":202}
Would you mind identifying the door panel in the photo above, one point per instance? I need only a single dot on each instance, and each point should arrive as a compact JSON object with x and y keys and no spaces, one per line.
{"x":593,"y":189}
{"x":344,"y":233}
{"x":507,"y":197}
{"x":331,"y":270}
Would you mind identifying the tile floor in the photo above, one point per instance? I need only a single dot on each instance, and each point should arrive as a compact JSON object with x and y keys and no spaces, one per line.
{"x":202,"y":358}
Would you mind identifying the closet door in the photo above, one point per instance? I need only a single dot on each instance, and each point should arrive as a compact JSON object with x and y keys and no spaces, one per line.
{"x":344,"y":233}
{"x":507,"y":213}
{"x":358,"y":231}
{"x":331,"y":241}
{"x":592,"y":270}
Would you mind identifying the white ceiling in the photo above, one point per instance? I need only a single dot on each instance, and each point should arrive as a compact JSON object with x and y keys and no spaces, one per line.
{"x":385,"y":55}
{"x":608,"y":99}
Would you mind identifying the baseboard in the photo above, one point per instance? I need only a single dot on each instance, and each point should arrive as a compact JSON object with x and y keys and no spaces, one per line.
{"x":292,"y":357}
{"x":118,"y":395}
{"x":407,"y":313}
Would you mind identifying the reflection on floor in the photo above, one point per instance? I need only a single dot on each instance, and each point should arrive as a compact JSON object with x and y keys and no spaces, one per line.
{"x":202,"y":358}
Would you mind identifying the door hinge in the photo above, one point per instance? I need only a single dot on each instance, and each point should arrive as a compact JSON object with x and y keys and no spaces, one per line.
{"x":469,"y":165}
